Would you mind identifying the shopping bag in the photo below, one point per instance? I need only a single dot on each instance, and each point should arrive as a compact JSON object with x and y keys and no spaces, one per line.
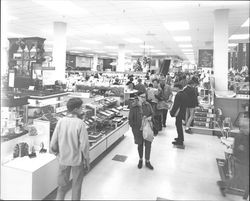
{"x":147,"y":130}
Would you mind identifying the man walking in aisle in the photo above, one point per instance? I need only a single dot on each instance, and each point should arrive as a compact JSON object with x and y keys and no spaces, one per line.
{"x":71,"y":145}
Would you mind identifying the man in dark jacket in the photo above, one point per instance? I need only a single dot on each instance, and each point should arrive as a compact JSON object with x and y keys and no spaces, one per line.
{"x":140,"y":108}
{"x":191,"y":102}
{"x":179,"y":110}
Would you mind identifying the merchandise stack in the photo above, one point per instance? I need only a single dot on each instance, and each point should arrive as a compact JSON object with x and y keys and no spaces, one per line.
{"x":204,"y":117}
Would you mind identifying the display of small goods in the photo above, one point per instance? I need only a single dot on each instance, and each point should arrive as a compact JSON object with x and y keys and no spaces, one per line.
{"x":21,"y":149}
{"x":42,"y":150}
{"x":204,"y":117}
{"x":32,"y":152}
{"x":32,"y":131}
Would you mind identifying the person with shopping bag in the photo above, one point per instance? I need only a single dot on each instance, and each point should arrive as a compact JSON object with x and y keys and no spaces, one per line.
{"x":140,"y":120}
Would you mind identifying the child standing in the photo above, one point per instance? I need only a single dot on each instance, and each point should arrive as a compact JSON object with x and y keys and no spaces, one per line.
{"x":70,"y":143}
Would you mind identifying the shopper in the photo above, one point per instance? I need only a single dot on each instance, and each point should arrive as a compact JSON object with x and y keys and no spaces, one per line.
{"x":241,"y":160}
{"x":140,"y":108}
{"x":191,"y":102}
{"x":164,"y":99}
{"x":70,"y":143}
{"x":151,"y":92}
{"x":140,"y":87}
{"x":157,"y":112}
{"x":178,"y":111}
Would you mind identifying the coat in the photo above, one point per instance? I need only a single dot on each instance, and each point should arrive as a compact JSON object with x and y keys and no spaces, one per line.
{"x":136,"y":113}
{"x":179,"y":102}
{"x":192,"y":97}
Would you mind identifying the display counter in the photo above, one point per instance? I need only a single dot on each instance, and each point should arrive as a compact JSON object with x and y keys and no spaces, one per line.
{"x":231,"y":107}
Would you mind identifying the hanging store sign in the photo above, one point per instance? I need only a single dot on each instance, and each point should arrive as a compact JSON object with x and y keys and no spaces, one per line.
{"x":205,"y":58}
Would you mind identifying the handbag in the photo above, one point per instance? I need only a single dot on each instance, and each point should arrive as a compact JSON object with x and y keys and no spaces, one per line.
{"x":147,"y":129}
{"x":176,"y":113}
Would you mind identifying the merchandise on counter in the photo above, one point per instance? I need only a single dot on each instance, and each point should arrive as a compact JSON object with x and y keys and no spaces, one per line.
{"x":32,"y":131}
{"x":21,"y":149}
{"x":42,"y":150}
{"x":33,"y":152}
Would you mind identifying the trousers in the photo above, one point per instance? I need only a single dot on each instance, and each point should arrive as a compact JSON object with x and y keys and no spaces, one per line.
{"x":147,"y":149}
{"x":164,"y":116}
{"x":178,"y":124}
{"x":63,"y":181}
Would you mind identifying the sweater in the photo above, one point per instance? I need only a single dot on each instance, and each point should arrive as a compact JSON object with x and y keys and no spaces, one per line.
{"x":70,"y":141}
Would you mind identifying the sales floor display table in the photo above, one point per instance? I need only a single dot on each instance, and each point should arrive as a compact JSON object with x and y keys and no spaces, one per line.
{"x":29,"y":178}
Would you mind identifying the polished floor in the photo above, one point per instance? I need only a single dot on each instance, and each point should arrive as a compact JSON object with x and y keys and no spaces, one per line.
{"x":178,"y":174}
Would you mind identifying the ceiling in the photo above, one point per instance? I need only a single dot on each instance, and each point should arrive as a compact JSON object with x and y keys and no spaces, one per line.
{"x":111,"y":22}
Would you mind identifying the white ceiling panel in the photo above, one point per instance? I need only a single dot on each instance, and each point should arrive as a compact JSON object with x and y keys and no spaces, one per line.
{"x":138,"y":19}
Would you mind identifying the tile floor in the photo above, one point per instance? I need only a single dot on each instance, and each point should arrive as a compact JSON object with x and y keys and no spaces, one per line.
{"x":178,"y":174}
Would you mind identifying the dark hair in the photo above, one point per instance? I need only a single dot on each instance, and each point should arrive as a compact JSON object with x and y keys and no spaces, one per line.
{"x":74,"y":103}
{"x":155,"y":80}
{"x":179,"y":86}
{"x":150,"y":85}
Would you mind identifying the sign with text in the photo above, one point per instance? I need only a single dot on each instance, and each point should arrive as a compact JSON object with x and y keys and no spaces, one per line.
{"x":205,"y":58}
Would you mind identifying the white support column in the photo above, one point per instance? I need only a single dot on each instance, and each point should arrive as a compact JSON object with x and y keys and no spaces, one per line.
{"x":221,"y":49}
{"x":59,"y":50}
{"x":95,"y":62}
{"x":121,"y":59}
{"x":4,"y":41}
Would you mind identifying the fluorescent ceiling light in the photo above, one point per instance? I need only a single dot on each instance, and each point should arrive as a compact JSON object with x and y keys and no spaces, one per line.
{"x":182,"y":38}
{"x":154,"y":51}
{"x":185,"y":45}
{"x":146,"y":46}
{"x":63,"y":7}
{"x":177,"y":26}
{"x":187,"y":50}
{"x":246,"y":23}
{"x":232,"y":44}
{"x":128,"y":50}
{"x":161,"y":53}
{"x":113,"y":54}
{"x":80,"y":48}
{"x":91,"y":41}
{"x":133,"y":40}
{"x":109,"y":29}
{"x":72,"y":51}
{"x":111,"y":47}
{"x":135,"y":53}
{"x":100,"y":51}
{"x":239,"y":37}
{"x":188,"y":53}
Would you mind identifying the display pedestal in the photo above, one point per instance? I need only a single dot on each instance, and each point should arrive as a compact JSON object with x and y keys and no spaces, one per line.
{"x":29,"y":179}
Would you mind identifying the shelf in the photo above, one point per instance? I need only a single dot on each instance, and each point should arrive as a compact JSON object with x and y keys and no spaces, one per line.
{"x":44,"y":105}
{"x":9,"y":137}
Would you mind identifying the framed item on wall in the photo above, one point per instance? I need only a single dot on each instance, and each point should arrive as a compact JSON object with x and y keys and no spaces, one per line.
{"x":205,"y":58}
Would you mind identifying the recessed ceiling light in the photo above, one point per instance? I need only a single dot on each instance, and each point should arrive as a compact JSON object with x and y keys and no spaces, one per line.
{"x":161,"y":53}
{"x":185,"y":45}
{"x":72,"y":51}
{"x":187,"y":50}
{"x":232,"y":44}
{"x":91,"y":41}
{"x":177,"y":26}
{"x":80,"y":48}
{"x":182,"y":38}
{"x":133,"y":40}
{"x":64,"y":7}
{"x":239,"y":37}
{"x":154,"y":51}
{"x":100,"y":51}
{"x":146,"y":46}
{"x":111,"y":47}
{"x":246,"y":23}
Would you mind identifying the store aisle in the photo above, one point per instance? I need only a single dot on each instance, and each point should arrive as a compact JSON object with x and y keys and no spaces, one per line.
{"x":189,"y":174}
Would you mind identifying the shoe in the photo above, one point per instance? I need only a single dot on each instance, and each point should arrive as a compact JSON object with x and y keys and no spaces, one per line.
{"x":148,"y":165}
{"x":164,"y":125}
{"x":177,"y":143}
{"x":188,"y":131}
{"x":222,"y":187}
{"x":140,"y":164}
{"x":176,"y":139}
